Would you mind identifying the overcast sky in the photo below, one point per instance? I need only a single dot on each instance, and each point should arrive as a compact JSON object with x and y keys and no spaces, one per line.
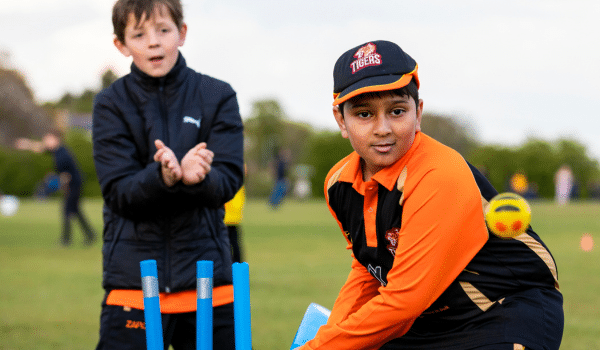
{"x":511,"y":69}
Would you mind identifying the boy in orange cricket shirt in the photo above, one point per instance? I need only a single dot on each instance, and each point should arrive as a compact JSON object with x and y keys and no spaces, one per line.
{"x":426,"y":274}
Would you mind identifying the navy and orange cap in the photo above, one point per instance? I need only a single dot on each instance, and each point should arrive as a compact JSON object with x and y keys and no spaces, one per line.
{"x":373,"y":66}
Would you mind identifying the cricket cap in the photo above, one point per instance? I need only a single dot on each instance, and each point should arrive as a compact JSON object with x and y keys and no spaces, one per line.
{"x":373,"y":66}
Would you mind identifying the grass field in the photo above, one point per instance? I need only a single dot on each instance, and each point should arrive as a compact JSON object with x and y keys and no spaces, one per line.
{"x":50,"y":296}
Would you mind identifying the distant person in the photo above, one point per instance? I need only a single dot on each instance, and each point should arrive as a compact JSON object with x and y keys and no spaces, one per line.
{"x":563,"y":184}
{"x":234,"y":211}
{"x":69,"y":179}
{"x":280,"y":188}
{"x":532,"y":191}
{"x":519,"y":183}
{"x":168,"y":150}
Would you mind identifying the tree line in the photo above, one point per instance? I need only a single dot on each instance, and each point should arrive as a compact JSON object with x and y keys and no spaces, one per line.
{"x":268,"y":130}
{"x":313,"y":152}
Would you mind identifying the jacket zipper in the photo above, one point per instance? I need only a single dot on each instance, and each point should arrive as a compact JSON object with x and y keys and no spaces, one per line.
{"x":166,"y":140}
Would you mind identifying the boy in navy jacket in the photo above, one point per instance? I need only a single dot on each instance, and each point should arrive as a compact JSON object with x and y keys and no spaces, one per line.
{"x":168,"y":151}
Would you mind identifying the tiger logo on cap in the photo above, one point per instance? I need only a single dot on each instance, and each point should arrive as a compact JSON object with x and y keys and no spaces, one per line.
{"x":365,"y":50}
{"x":366,"y":56}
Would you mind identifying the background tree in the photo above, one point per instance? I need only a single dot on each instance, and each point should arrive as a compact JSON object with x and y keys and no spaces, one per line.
{"x":266,"y":132}
{"x":325,"y":149}
{"x":108,"y":77}
{"x":585,"y":169}
{"x":450,"y":131}
{"x":538,"y":160}
{"x":496,"y":162}
{"x":20,"y":116}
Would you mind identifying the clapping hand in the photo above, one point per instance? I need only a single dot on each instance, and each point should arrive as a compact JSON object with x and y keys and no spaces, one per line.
{"x":196,"y":164}
{"x":194,"y":167}
{"x":170,"y":169}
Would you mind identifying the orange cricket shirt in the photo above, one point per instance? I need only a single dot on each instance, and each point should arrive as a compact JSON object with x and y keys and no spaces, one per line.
{"x":414,"y":227}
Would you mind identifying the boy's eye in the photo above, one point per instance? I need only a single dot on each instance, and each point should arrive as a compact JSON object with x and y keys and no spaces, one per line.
{"x":137,"y":35}
{"x":165,"y":30}
{"x":397,"y":111}
{"x":364,"y":114}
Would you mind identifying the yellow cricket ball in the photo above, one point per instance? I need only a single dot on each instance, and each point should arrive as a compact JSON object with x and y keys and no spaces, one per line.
{"x":508,"y":215}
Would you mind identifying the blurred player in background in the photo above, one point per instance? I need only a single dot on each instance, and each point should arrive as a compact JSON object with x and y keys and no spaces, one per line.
{"x":563,"y":184}
{"x":70,"y":181}
{"x":234,"y":210}
{"x":281,"y":186}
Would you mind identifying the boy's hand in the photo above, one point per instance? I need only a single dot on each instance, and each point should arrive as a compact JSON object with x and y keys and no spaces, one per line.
{"x":26,"y":144}
{"x":170,"y":168}
{"x":196,"y":164}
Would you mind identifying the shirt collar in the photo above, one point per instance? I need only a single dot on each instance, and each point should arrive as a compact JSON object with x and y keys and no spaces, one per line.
{"x":387,"y":177}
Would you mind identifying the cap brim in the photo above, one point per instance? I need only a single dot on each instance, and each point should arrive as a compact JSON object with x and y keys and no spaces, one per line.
{"x":374,"y":84}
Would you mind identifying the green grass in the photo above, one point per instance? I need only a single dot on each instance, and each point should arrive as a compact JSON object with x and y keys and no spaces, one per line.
{"x":50,"y":296}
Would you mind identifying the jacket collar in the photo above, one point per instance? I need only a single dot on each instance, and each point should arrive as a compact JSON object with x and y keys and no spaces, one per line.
{"x":148,"y":81}
{"x":387,"y":177}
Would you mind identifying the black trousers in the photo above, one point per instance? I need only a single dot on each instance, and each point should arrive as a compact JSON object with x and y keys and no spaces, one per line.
{"x":124,"y":329}
{"x":88,"y":231}
{"x":72,"y":210}
{"x":234,"y":240}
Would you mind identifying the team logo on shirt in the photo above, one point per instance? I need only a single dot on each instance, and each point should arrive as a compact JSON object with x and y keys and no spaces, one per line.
{"x":392,"y":237}
{"x":366,"y":56}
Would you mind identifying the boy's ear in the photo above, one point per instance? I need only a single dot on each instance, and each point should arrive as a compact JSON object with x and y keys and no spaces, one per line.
{"x":121,"y":47}
{"x":419,"y":114}
{"x":339,"y":118}
{"x":182,"y":34}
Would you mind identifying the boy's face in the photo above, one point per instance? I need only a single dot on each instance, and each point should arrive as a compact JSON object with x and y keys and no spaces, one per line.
{"x":380,"y":128}
{"x":154,"y":42}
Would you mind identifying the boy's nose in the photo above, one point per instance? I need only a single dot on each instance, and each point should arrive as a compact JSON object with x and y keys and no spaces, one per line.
{"x":153,"y":39}
{"x":382,"y":125}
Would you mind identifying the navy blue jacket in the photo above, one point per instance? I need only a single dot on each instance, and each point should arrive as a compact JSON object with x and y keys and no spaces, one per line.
{"x":143,"y":218}
{"x":64,"y":162}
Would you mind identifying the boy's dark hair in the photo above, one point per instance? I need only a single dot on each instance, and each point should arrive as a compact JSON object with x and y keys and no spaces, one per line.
{"x":409,"y":89}
{"x":139,"y":8}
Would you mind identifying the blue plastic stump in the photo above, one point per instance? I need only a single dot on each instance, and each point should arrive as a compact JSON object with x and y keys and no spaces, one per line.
{"x":241,"y":306}
{"x":204,"y":310}
{"x":154,"y":333}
